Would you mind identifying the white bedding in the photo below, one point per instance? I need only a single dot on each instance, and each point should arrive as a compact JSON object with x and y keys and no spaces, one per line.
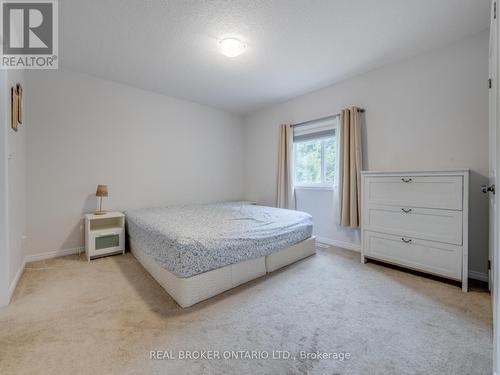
{"x":191,"y":239}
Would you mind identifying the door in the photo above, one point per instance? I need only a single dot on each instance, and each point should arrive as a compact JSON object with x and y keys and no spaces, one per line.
{"x":493,"y":51}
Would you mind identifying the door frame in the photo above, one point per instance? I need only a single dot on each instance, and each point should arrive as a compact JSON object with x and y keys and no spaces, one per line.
{"x":4,"y":255}
{"x":494,"y":111}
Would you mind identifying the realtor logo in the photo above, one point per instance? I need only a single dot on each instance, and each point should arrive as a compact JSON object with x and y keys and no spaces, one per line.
{"x":29,"y":34}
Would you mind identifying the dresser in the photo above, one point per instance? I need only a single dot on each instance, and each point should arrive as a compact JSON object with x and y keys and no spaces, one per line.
{"x":417,"y":220}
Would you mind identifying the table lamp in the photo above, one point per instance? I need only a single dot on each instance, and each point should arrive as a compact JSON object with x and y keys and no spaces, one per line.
{"x":102,"y":191}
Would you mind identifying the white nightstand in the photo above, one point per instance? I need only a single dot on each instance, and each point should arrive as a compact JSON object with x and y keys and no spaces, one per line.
{"x":104,"y":234}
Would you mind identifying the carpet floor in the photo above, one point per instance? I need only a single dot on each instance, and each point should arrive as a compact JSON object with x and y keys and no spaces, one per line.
{"x":69,"y":316}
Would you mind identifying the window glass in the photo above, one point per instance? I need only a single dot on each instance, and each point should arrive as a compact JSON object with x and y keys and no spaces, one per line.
{"x":315,"y":161}
{"x":308,"y":162}
{"x":330,"y":155}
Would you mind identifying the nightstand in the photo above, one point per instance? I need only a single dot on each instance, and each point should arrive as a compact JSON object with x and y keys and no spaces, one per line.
{"x":104,"y":234}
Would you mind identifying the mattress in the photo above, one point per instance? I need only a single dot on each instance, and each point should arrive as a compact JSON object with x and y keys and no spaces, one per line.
{"x":188,"y":240}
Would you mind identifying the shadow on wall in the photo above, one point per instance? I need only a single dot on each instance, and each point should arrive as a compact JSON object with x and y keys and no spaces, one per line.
{"x":322,"y":206}
{"x":77,"y":231}
{"x":364,"y":140}
{"x":478,"y":209}
{"x":478,"y":223}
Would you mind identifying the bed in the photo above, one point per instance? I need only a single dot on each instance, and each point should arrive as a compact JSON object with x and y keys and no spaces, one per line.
{"x":198,"y":251}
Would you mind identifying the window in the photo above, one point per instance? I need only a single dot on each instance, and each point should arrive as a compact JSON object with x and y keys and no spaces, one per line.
{"x":315,"y":154}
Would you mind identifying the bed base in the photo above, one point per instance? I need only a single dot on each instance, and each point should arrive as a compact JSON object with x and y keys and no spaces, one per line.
{"x":190,"y":290}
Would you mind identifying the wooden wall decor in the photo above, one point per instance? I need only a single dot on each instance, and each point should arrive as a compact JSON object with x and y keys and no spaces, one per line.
{"x":13,"y":108}
{"x":16,"y":106}
{"x":19,"y":89}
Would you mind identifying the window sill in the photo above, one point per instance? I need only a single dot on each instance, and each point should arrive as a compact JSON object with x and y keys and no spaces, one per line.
{"x":305,"y":187}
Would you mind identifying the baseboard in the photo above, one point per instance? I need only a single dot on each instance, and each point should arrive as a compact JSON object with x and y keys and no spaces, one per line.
{"x":53,"y":254}
{"x":475,"y":275}
{"x":337,"y":243}
{"x":36,"y":257}
{"x":481,"y":276}
{"x":13,"y":284}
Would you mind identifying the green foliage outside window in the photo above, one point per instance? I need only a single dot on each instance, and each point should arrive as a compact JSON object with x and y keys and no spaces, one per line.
{"x":308,"y":162}
{"x":315,"y":161}
{"x":330,"y":156}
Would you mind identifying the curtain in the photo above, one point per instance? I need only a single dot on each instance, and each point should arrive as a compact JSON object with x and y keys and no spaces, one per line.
{"x":350,"y":165}
{"x":285,"y":195}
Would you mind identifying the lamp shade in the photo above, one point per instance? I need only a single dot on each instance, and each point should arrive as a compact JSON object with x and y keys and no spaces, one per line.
{"x":102,"y":191}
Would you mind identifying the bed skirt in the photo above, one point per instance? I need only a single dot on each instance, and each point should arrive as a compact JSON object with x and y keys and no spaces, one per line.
{"x":190,"y":290}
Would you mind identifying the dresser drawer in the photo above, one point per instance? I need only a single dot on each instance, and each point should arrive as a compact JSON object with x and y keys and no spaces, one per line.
{"x":434,"y":257}
{"x":423,"y":223}
{"x":443,"y":192}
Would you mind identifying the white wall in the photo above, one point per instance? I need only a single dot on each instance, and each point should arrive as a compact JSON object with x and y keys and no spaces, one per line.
{"x":149,"y":149}
{"x":4,"y":254}
{"x":427,"y":112}
{"x":322,"y":205}
{"x":16,"y":184}
{"x":12,"y":190}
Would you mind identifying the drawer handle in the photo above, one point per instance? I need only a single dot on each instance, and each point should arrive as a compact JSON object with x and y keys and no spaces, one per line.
{"x":406,"y":210}
{"x":406,"y":240}
{"x":407,"y":180}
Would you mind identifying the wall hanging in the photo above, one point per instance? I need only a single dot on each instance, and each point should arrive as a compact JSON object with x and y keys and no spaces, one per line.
{"x":16,"y":109}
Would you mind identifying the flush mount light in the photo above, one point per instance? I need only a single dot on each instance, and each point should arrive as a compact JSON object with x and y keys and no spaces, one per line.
{"x":232,"y":47}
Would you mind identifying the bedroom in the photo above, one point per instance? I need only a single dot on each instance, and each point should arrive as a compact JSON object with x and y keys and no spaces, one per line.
{"x":189,"y":151}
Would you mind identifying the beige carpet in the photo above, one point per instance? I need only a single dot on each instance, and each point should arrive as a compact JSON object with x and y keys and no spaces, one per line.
{"x":104,"y":317}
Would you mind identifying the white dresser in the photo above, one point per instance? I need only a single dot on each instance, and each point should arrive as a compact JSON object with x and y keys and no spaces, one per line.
{"x":417,"y":220}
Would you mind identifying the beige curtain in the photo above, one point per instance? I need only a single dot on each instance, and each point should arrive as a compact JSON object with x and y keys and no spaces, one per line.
{"x":350,"y":165}
{"x":285,"y":196}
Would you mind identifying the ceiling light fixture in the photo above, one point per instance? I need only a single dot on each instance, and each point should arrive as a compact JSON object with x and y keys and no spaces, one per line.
{"x":232,"y":47}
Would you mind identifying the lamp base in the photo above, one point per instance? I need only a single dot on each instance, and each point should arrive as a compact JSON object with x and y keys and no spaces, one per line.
{"x":100,"y":213}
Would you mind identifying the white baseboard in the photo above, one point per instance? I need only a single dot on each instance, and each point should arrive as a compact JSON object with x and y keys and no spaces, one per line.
{"x":58,"y":253}
{"x":14,"y":282}
{"x":337,"y":243}
{"x":53,"y":254}
{"x":40,"y":256}
{"x":481,"y":276}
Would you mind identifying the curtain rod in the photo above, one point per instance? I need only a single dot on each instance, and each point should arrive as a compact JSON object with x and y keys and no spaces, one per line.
{"x":360,"y":110}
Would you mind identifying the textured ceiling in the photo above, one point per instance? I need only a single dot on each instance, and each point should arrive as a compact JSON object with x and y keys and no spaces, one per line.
{"x":294,"y":46}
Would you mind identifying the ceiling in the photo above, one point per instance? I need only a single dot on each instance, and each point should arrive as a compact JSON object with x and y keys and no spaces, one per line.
{"x":294,"y":46}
